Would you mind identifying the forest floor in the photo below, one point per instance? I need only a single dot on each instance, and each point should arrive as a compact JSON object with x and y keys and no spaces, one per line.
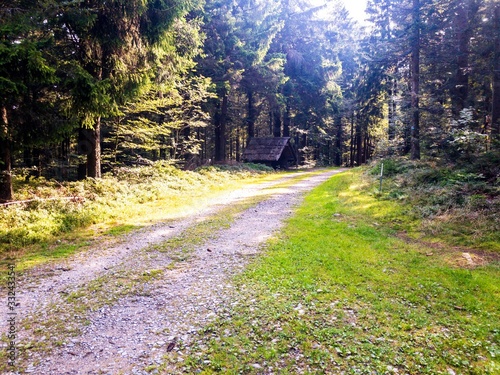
{"x":119,"y":306}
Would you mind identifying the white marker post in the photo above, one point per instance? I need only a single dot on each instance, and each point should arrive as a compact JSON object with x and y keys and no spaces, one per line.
{"x":381,"y":176}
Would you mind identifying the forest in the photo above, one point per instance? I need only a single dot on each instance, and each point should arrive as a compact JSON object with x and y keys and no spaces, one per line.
{"x":135,"y":238}
{"x":87,"y":86}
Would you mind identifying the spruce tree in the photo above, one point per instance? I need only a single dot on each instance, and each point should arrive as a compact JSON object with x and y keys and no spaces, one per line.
{"x":28,"y":109}
{"x":113,"y":43}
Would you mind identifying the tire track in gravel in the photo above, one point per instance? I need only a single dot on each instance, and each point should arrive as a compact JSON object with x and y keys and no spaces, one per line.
{"x":134,"y":333}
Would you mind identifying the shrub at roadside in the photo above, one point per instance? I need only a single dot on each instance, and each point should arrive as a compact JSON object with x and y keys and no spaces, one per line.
{"x":457,"y":203}
{"x":119,"y":195}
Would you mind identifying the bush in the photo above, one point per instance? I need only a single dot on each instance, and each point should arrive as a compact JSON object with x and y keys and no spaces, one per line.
{"x":118,"y":195}
{"x":486,"y":165}
{"x":463,"y":196}
{"x":393,"y":166}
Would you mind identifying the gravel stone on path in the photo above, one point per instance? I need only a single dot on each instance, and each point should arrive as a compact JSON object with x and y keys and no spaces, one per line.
{"x":137,"y":331}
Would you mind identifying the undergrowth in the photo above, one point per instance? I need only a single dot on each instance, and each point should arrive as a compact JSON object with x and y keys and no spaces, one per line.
{"x":127,"y":197}
{"x":454,"y":203}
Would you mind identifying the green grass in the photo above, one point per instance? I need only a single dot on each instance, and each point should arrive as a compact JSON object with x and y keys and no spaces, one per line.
{"x":121,"y":229}
{"x":48,"y":253}
{"x":339,"y":293}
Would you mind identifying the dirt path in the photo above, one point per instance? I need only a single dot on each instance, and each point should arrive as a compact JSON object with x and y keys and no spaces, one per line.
{"x":119,"y":310}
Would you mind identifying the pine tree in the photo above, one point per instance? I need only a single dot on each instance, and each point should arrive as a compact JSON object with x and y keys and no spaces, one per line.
{"x":28,"y":111}
{"x":495,"y":102}
{"x":112,"y":43}
{"x":311,"y":45}
{"x":161,"y":123}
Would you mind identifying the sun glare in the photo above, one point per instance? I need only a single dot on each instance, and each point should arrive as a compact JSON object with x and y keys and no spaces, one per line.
{"x":356,"y":8}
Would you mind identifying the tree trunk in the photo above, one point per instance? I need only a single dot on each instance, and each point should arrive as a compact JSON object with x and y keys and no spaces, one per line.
{"x":286,"y":122}
{"x":276,"y":123}
{"x":231,"y":155}
{"x":217,"y":138}
{"x":238,"y":156}
{"x":351,"y":159}
{"x":415,"y":82}
{"x":65,"y":149}
{"x":220,"y":130}
{"x":186,"y":149}
{"x":359,"y":146}
{"x":252,"y":114}
{"x":461,"y":90}
{"x":338,"y":141}
{"x":366,"y":148}
{"x":94,"y":157}
{"x":392,"y":111}
{"x":495,"y":112}
{"x":6,"y":193}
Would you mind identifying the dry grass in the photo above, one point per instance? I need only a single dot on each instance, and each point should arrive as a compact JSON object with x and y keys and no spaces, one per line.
{"x":40,"y":231}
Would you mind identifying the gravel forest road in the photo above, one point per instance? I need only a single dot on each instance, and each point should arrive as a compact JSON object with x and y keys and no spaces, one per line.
{"x":124,"y":307}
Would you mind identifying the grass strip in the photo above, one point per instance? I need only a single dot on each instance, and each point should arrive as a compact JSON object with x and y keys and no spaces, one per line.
{"x":340,"y":293}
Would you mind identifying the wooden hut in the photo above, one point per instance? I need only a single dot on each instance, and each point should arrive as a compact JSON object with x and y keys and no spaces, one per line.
{"x":277,"y":152}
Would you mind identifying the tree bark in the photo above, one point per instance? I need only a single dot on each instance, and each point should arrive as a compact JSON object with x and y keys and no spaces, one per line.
{"x":94,"y":157}
{"x":276,"y":123}
{"x":6,"y":192}
{"x":338,"y":141}
{"x":359,"y":145}
{"x":351,"y":159}
{"x":495,"y":112}
{"x":392,"y":111}
{"x":366,"y":147}
{"x":415,"y":82}
{"x":65,"y":149}
{"x":220,"y":130}
{"x":252,"y":114}
{"x":286,"y":122}
{"x":238,"y":146}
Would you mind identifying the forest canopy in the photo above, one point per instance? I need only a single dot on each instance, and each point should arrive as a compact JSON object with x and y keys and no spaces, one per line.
{"x":87,"y":86}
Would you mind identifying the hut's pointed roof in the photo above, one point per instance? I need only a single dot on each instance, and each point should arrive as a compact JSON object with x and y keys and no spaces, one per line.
{"x":265,"y":149}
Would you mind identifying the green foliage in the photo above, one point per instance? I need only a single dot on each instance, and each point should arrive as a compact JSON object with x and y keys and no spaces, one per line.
{"x":122,"y":196}
{"x":446,"y":198}
{"x":28,"y":73}
{"x":91,"y":97}
{"x":393,"y":166}
{"x":486,"y":165}
{"x":455,"y":121}
{"x":163,"y":119}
